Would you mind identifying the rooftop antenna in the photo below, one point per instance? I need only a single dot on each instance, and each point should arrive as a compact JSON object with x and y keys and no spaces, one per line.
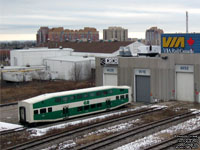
{"x":186,"y":22}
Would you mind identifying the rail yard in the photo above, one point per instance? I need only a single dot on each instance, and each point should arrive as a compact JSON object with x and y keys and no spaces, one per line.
{"x":111,"y":129}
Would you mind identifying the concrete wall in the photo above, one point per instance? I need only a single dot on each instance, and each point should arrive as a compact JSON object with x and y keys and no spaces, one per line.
{"x":65,"y":70}
{"x":162,"y":72}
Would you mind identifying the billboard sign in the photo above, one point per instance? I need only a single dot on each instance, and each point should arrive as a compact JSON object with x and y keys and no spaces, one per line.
{"x":180,"y":43}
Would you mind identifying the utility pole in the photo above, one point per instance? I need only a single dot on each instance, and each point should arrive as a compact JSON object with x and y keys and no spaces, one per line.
{"x":186,"y":22}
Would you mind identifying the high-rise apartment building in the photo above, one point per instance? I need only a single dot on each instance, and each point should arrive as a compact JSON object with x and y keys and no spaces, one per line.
{"x":153,"y":36}
{"x":60,"y":34}
{"x":42,"y":35}
{"x":115,"y":33}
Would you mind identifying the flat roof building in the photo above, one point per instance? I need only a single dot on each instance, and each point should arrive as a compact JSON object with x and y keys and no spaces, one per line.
{"x":115,"y":33}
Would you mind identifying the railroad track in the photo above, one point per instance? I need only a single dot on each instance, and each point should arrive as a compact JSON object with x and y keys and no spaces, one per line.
{"x":37,"y":142}
{"x":132,"y":134}
{"x":178,"y":141}
{"x":12,"y":131}
{"x":8,"y":104}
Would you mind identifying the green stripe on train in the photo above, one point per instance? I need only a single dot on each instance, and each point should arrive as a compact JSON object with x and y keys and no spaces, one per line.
{"x":74,"y":111}
{"x":67,"y":99}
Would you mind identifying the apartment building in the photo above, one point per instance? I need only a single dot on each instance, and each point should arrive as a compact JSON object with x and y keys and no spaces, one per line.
{"x":42,"y":35}
{"x":115,"y":33}
{"x":60,"y":34}
{"x":153,"y":36}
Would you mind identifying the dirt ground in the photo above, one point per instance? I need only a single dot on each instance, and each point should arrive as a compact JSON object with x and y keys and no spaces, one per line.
{"x":12,"y":92}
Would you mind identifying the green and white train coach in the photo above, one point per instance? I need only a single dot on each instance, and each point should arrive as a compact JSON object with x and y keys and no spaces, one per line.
{"x":61,"y":105}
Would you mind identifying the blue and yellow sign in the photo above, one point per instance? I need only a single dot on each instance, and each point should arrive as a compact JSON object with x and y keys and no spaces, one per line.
{"x":180,"y":43}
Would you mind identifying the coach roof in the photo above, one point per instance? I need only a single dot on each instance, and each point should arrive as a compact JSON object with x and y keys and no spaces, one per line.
{"x":51,"y":95}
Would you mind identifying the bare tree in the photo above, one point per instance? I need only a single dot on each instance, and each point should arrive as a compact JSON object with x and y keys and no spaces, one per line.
{"x":90,"y":73}
{"x":87,"y":70}
{"x":76,"y":72}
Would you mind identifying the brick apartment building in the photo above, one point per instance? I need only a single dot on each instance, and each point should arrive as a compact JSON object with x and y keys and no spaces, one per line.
{"x":60,"y":34}
{"x":42,"y":35}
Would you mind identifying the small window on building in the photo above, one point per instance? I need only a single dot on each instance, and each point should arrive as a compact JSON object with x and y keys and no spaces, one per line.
{"x":65,"y":99}
{"x":57,"y":99}
{"x":35,"y":112}
{"x":93,"y":106}
{"x":98,"y":93}
{"x":126,"y":96}
{"x":86,"y":107}
{"x":43,"y":110}
{"x":117,"y":97}
{"x":79,"y":96}
{"x":122,"y":97}
{"x":80,"y":109}
{"x":99,"y":105}
{"x":50,"y":109}
{"x":105,"y":92}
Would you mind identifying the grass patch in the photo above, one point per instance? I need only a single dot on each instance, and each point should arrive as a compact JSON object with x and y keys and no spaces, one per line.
{"x":12,"y":92}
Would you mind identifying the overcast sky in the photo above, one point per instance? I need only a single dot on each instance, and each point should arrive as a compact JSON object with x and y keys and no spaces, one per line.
{"x":20,"y":19}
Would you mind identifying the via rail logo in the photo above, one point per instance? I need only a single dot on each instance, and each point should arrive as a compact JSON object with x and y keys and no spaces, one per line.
{"x":180,"y":44}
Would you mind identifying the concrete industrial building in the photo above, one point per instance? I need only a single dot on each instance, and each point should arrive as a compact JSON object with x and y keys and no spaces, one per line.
{"x":115,"y":33}
{"x":62,"y":63}
{"x":171,"y":76}
{"x":153,"y":36}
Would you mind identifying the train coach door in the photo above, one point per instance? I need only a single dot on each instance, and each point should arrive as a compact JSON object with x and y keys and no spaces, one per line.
{"x":65,"y":112}
{"x":22,"y":114}
{"x":108,"y":103}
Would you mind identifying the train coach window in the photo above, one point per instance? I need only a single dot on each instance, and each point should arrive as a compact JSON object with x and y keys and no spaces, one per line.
{"x":79,"y":96}
{"x":50,"y":109}
{"x":110,"y":91}
{"x":122,"y":97}
{"x":35,"y":112}
{"x":98,"y":93}
{"x":99,"y":105}
{"x":43,"y":110}
{"x":93,"y":106}
{"x":92,"y":94}
{"x":85,"y":95}
{"x":80,"y":108}
{"x":65,"y":99}
{"x":86,"y":107}
{"x":126,"y":96}
{"x":105,"y":92}
{"x":72,"y":97}
{"x":58,"y":99}
{"x":121,"y":90}
{"x":117,"y":97}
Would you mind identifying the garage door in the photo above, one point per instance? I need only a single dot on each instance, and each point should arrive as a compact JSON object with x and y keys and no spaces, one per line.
{"x":110,"y":79}
{"x":185,"y":86}
{"x":143,"y":89}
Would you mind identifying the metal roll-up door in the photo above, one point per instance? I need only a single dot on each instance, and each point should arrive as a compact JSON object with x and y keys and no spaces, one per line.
{"x":143,"y":89}
{"x":185,"y":86}
{"x":110,"y":76}
{"x":110,"y":79}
